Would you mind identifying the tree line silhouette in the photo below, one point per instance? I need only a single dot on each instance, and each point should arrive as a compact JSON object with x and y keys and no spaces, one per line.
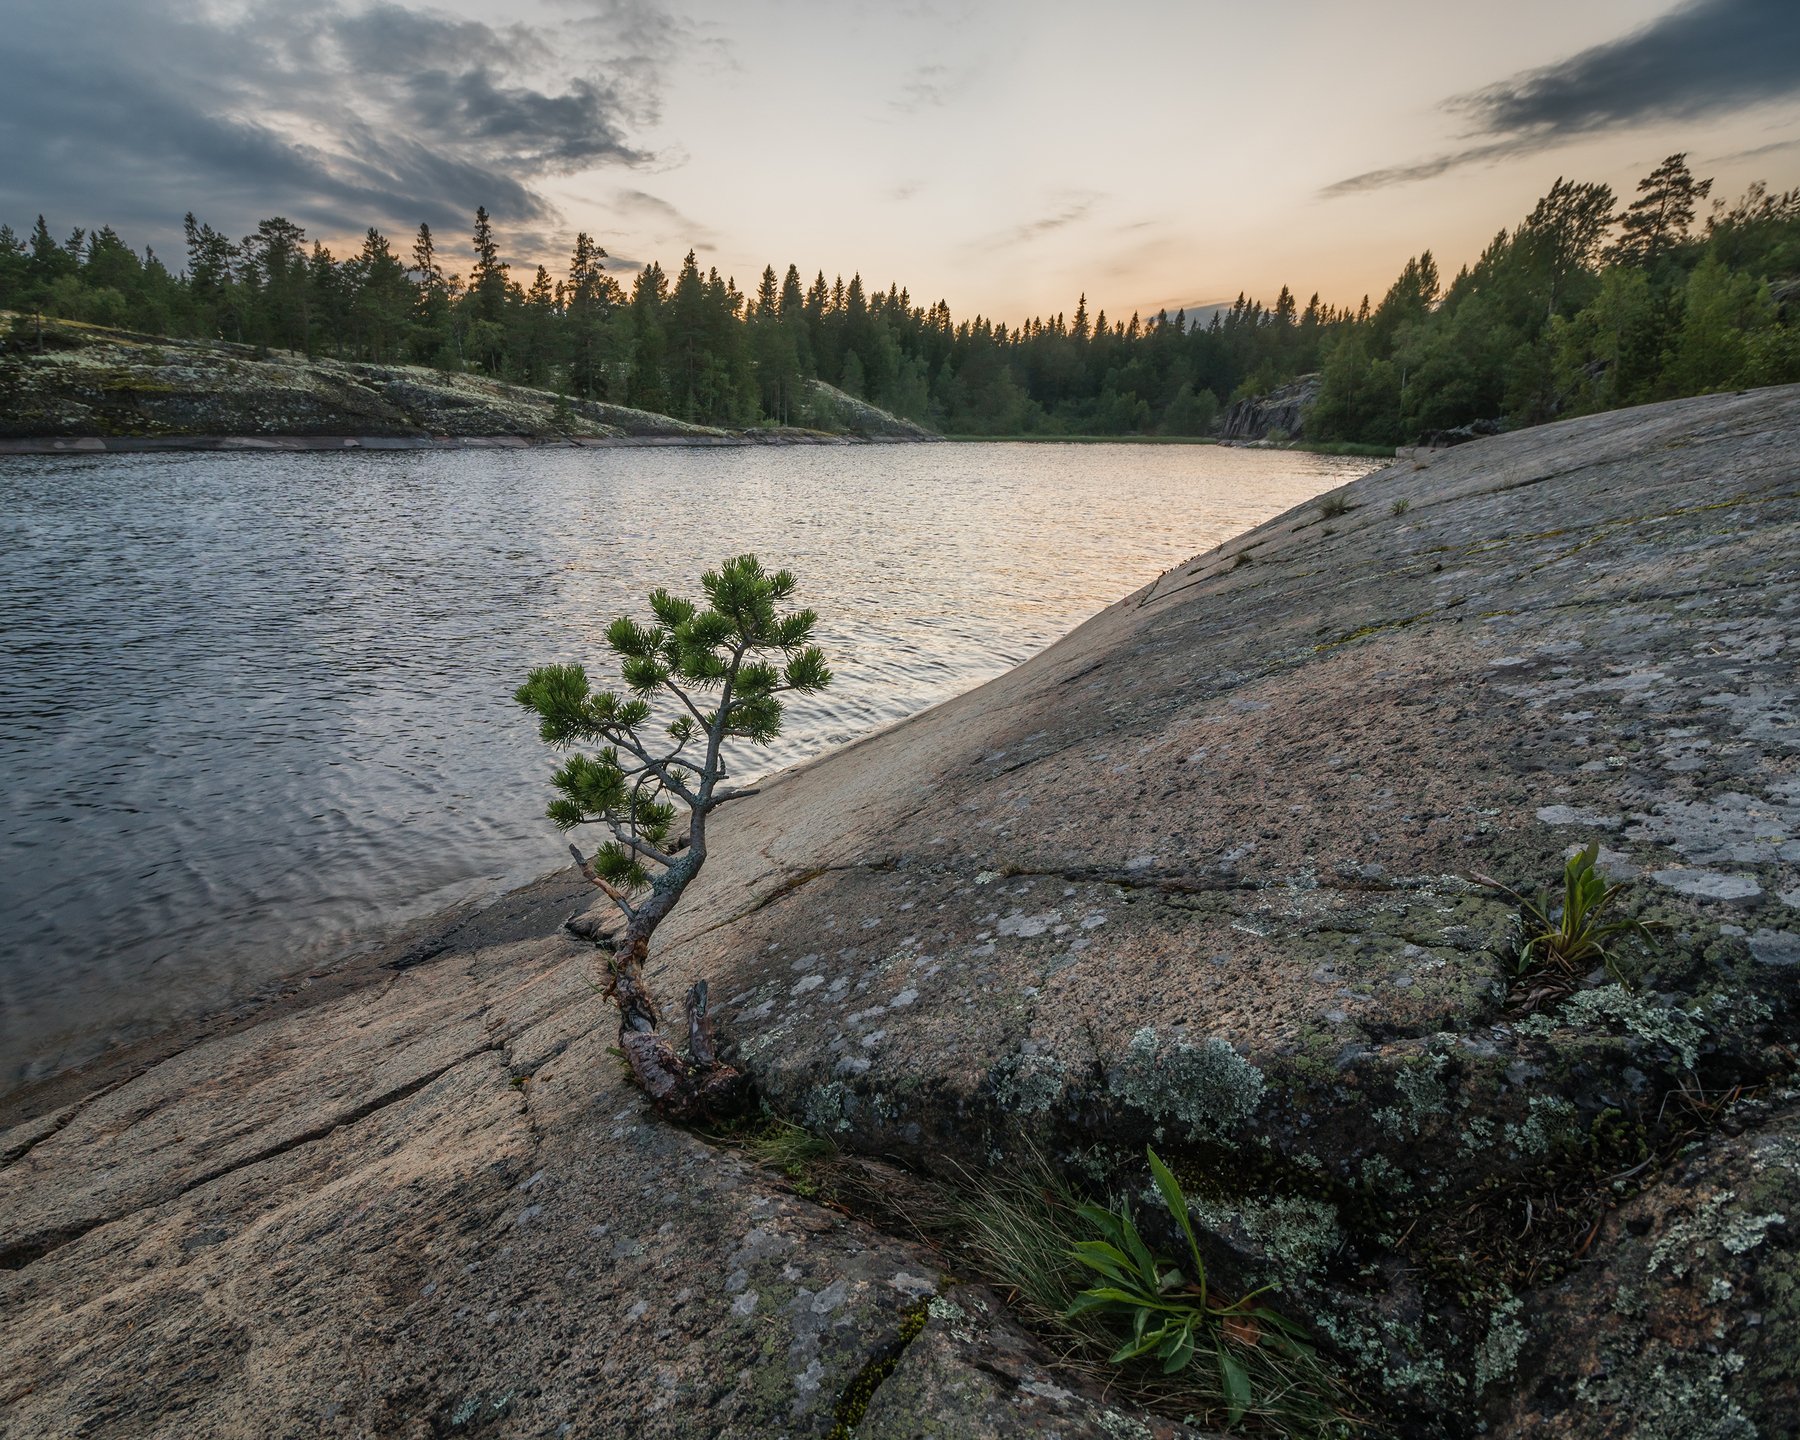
{"x":1580,"y":307}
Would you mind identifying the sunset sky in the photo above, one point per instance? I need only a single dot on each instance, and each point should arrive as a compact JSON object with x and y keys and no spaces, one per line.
{"x":1002,"y":156}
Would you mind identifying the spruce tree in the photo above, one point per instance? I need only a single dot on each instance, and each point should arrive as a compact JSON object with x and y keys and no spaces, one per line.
{"x":593,"y":295}
{"x":384,"y":297}
{"x":793,"y":301}
{"x":719,"y":671}
{"x":430,"y":338}
{"x":487,"y":281}
{"x":14,"y":267}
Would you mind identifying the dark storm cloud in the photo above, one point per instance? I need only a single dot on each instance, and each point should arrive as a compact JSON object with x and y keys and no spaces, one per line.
{"x":132,"y":111}
{"x":1705,"y":58}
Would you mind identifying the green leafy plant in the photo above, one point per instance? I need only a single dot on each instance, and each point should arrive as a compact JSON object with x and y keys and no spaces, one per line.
{"x":1169,"y":1312}
{"x":1401,"y":506}
{"x":1563,"y":942}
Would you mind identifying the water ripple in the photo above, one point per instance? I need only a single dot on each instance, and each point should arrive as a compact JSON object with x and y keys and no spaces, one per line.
{"x":255,"y":706}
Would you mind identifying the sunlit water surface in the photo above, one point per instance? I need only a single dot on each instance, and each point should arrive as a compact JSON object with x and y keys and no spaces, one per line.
{"x":256,"y":708}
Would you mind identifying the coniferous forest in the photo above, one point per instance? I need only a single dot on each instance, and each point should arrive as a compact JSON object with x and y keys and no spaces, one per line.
{"x":1586,"y":304}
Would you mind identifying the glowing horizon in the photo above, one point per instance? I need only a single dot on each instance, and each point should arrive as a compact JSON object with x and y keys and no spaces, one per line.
{"x":1005,"y":158}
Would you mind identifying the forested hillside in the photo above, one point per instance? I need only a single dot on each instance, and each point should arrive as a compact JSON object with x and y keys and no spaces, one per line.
{"x":1579,"y":307}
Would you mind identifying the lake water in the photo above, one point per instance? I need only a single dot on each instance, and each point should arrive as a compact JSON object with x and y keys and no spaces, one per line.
{"x":256,"y":707}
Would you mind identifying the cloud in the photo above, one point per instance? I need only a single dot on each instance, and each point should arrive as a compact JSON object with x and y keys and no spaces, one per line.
{"x":931,"y":86}
{"x":1792,"y":142}
{"x":639,"y":39}
{"x":1073,"y":207}
{"x":925,"y":89}
{"x":1427,"y":169}
{"x":339,"y":116}
{"x":1704,"y":58}
{"x":662,"y":221}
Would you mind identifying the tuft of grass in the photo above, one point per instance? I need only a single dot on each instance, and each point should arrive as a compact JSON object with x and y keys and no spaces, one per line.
{"x":1334,"y":505}
{"x":1562,"y":943}
{"x":1020,"y":1228}
{"x":799,"y":1155}
{"x":816,"y":1169}
{"x":1401,"y":506}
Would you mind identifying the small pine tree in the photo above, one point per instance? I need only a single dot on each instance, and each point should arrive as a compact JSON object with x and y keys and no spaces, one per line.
{"x":717,"y":665}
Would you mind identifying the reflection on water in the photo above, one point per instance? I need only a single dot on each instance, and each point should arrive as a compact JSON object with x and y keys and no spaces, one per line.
{"x":252,"y":706}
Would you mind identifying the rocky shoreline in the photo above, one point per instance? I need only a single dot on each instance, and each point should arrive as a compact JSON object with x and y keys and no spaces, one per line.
{"x":1197,"y":876}
{"x":158,"y":444}
{"x":85,"y":387}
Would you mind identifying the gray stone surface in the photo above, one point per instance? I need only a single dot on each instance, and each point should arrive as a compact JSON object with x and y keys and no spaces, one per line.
{"x":1688,"y":1321}
{"x":1198,"y":875}
{"x":1283,"y":409}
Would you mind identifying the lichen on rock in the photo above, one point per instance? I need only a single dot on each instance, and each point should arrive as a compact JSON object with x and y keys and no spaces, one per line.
{"x":1202,"y":1091}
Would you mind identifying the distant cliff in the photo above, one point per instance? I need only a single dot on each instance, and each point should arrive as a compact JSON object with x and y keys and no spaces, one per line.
{"x":82,"y":382}
{"x":1280,"y":414}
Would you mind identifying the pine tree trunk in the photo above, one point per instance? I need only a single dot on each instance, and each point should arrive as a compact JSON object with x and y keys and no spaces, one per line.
{"x":697,"y":1086}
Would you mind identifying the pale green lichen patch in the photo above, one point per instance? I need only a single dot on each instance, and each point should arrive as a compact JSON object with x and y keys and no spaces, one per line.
{"x":1673,"y":1395}
{"x":828,"y":1107}
{"x":1205,"y":1090}
{"x":1420,"y":1094}
{"x":1718,"y":1222}
{"x":1499,"y":1348}
{"x":1029,"y":1085}
{"x":1380,"y":1176}
{"x":1551,"y":1124}
{"x":1614,"y":1009}
{"x":1395,"y":1355}
{"x":1123,"y":1427}
{"x":1296,"y":1232}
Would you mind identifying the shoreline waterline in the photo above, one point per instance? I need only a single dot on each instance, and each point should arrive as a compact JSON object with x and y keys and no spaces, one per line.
{"x":292,"y":730}
{"x":328,"y":444}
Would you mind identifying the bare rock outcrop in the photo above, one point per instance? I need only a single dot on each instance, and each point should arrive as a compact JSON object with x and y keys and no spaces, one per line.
{"x":1283,"y":410}
{"x":1197,"y":875}
{"x":124,"y":391}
